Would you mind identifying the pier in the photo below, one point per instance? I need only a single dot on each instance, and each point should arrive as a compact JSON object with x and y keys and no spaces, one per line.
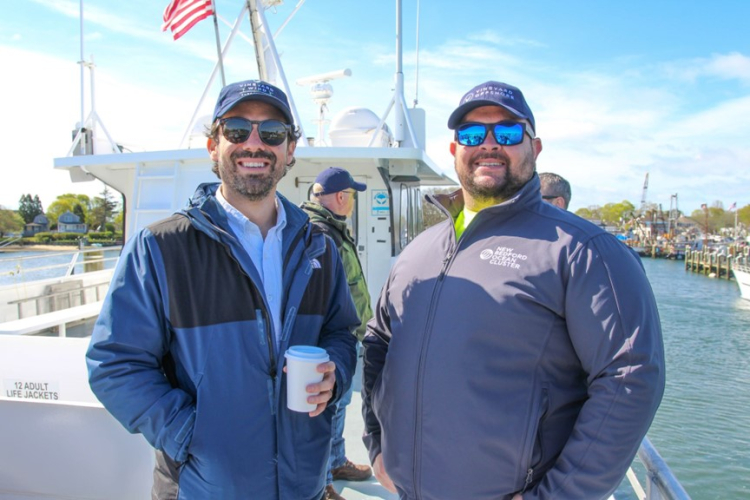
{"x":714,"y":264}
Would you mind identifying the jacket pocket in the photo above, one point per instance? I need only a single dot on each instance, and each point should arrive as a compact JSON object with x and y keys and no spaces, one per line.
{"x":534,"y":441}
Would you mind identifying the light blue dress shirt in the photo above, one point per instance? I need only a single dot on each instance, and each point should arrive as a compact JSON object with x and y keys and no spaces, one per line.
{"x":265,"y":254}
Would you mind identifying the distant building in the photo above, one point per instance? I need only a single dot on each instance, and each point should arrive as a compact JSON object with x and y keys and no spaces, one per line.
{"x":70,"y":223}
{"x":40,"y":225}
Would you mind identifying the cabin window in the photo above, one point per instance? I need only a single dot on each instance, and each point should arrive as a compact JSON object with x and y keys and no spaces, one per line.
{"x":410,"y":214}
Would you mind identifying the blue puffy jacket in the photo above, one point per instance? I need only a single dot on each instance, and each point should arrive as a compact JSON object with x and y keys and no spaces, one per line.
{"x":183,"y":352}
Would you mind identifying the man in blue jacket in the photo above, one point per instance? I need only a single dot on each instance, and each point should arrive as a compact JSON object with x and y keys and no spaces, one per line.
{"x":188,"y":349}
{"x":515,"y":351}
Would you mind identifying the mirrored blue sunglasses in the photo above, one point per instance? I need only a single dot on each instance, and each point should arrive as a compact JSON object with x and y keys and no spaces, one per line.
{"x":505,"y":133}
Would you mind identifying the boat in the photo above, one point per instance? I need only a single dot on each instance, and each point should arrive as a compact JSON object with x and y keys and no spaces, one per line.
{"x":742,"y":277}
{"x":61,"y":442}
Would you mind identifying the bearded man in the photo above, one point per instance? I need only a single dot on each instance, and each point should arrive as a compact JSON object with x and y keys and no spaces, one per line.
{"x":189,"y":347}
{"x":515,"y":351}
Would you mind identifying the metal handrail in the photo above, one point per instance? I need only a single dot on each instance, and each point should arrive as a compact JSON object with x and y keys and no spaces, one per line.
{"x":67,"y":266}
{"x":661,"y":483}
{"x":9,"y":242}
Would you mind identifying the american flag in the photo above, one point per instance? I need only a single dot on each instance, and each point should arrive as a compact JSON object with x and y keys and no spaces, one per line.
{"x":704,"y":206}
{"x":181,"y":15}
{"x":732,"y":206}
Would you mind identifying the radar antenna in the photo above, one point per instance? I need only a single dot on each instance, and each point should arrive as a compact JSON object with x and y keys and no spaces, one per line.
{"x":322,"y":91}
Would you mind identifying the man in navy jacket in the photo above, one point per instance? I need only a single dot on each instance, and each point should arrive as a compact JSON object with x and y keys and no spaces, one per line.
{"x":515,"y":351}
{"x":188,"y":349}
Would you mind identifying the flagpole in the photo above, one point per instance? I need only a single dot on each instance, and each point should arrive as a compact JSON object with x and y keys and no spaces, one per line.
{"x":218,"y":46}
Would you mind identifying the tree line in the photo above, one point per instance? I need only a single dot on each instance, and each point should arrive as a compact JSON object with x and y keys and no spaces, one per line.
{"x":100,"y":213}
{"x":622,"y":214}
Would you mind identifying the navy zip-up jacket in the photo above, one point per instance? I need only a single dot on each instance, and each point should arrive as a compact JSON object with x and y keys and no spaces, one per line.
{"x":526,"y":356}
{"x":184,"y":353}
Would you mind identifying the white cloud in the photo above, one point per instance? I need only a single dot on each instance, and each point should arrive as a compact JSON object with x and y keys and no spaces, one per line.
{"x":726,"y":67}
{"x":42,"y":107}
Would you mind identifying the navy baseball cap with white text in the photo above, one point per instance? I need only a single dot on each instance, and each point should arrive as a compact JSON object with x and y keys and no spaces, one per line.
{"x":336,"y":179}
{"x":252,"y":90}
{"x":492,"y":94}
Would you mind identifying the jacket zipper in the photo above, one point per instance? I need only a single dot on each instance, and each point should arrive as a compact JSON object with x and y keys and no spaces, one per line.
{"x":196,"y":216}
{"x":268,"y":324}
{"x":428,"y":328}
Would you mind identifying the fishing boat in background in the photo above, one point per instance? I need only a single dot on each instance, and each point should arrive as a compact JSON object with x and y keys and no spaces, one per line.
{"x":742,"y":277}
{"x":61,"y":442}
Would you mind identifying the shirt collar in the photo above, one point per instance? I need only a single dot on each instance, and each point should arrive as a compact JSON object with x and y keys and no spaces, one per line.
{"x":239,"y":218}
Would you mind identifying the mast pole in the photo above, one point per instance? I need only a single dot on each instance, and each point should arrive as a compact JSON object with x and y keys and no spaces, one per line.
{"x":255,"y":25}
{"x":399,"y":128}
{"x":81,"y":62}
{"x":218,"y":46}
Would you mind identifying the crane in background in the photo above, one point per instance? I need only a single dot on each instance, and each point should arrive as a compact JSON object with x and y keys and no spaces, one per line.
{"x":643,"y":195}
{"x":674,"y":214}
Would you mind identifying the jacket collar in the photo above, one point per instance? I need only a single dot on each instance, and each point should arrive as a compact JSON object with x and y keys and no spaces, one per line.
{"x":203,"y":205}
{"x":453,"y":203}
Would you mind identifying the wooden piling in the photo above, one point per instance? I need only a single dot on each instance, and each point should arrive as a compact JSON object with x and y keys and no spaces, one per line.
{"x":707,"y":263}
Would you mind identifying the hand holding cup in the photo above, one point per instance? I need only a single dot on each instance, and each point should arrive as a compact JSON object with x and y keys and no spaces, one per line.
{"x":310,"y":379}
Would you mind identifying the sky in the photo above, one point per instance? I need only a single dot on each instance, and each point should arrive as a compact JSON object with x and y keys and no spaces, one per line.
{"x":618,"y":89}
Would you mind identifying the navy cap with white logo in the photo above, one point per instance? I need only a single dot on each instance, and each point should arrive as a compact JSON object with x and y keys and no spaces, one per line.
{"x":252,"y":90}
{"x":492,"y":94}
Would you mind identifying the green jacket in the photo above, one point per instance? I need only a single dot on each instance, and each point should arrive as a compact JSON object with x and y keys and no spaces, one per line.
{"x":339,"y":232}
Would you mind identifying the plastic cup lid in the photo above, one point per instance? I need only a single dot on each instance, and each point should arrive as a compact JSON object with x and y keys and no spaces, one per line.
{"x":306,"y":352}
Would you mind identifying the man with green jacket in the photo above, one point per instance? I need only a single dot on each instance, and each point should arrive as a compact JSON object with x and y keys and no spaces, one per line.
{"x":334,"y":194}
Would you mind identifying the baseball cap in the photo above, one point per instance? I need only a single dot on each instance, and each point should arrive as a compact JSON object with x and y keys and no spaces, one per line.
{"x":336,"y":179}
{"x":492,"y":94}
{"x":252,"y":90}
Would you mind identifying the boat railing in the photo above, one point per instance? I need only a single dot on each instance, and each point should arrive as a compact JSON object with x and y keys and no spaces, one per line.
{"x":68,"y":298}
{"x":93,"y":259}
{"x":9,"y":241}
{"x":660,"y":482}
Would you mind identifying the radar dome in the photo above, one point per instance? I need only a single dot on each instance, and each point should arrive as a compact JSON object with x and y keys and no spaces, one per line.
{"x":354,"y":127}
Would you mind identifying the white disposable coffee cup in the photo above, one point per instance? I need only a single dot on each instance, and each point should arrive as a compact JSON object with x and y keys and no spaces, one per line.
{"x":301,"y":370}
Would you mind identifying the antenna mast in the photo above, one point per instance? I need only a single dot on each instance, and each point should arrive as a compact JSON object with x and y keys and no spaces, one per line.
{"x":89,"y":124}
{"x":403,"y":121}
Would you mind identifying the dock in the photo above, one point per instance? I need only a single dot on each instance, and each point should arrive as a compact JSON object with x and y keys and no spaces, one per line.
{"x":714,"y":264}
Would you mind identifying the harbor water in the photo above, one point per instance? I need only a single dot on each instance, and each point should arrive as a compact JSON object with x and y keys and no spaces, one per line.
{"x":702,"y":428}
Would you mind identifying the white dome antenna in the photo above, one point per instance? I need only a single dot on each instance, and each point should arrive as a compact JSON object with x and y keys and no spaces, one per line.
{"x":321,"y":92}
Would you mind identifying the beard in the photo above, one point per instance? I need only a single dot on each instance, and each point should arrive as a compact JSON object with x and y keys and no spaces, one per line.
{"x":254,"y":187}
{"x":501,"y":188}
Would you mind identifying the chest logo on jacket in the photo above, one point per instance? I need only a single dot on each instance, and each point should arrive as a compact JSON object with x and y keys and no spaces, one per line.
{"x":503,"y":256}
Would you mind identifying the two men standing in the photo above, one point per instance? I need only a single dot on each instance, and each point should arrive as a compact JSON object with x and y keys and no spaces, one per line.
{"x":515,"y":351}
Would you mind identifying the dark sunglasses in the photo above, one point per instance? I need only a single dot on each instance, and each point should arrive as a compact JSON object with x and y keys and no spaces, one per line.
{"x":237,"y":129}
{"x":505,"y":133}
